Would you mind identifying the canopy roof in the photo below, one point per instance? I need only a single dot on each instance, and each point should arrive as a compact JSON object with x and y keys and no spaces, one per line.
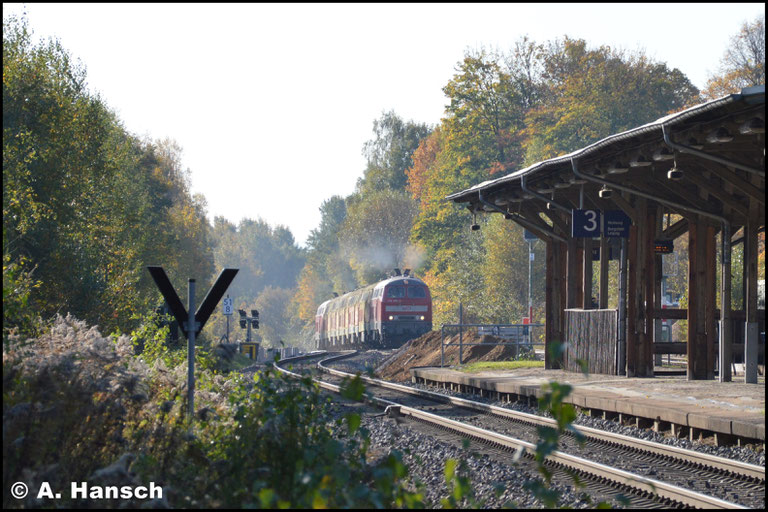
{"x":719,"y":145}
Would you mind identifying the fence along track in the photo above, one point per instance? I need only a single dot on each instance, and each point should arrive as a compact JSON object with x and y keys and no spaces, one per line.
{"x":596,"y":470}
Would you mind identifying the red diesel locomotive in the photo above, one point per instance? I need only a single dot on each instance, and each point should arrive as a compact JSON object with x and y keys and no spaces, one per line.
{"x":383,"y":315}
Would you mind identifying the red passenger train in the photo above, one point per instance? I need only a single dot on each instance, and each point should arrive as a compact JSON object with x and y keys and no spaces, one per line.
{"x":385,"y":314}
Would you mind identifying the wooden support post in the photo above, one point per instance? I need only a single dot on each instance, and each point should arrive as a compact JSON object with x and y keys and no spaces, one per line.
{"x":549,"y":304}
{"x":693,"y":294}
{"x":572,"y":274}
{"x":555,"y":280}
{"x":710,"y":272}
{"x":632,"y":307}
{"x":604,"y":253}
{"x":750,"y":306}
{"x":586,"y":286}
{"x":658,"y":276}
{"x":701,"y":300}
{"x":579,"y":277}
{"x":640,"y":296}
{"x":646,"y":301}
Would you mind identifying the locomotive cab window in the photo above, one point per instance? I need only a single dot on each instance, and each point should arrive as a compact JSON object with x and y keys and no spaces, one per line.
{"x":396,"y":292}
{"x":417,"y":292}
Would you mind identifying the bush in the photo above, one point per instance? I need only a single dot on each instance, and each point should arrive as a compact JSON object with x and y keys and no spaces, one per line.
{"x":18,"y":284}
{"x":81,"y":407}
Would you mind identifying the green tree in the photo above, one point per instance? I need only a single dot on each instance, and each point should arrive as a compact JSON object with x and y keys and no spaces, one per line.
{"x":390,"y":152}
{"x":593,"y":93}
{"x":277,"y":324}
{"x":375,"y":233}
{"x":267,"y":258}
{"x":85,"y":202}
{"x":484,"y":115}
{"x":743,"y":63}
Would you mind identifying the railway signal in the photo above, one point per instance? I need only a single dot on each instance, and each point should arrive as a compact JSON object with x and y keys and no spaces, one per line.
{"x":191,"y":322}
{"x":206,"y":307}
{"x":249,"y":321}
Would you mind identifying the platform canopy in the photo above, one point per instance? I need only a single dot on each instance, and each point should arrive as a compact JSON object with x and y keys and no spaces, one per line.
{"x":715,"y":145}
{"x":705,"y":164}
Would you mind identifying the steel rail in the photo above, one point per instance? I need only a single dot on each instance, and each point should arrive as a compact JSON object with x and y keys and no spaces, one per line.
{"x":617,"y":476}
{"x":713,"y":461}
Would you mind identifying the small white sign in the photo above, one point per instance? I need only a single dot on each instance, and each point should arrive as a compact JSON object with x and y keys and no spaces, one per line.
{"x":227,"y":306}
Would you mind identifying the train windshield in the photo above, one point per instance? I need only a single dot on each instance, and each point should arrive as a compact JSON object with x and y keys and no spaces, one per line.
{"x":396,"y":292}
{"x":417,"y":292}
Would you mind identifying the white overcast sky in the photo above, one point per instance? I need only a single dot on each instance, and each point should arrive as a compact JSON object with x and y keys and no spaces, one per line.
{"x":272,"y":103}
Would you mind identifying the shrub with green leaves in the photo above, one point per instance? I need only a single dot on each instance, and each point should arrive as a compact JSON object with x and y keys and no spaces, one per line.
{"x":19,"y":318}
{"x":78,"y":406}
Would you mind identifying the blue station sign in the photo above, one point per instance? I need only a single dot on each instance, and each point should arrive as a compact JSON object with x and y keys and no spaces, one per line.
{"x":585,"y":223}
{"x":616,"y":224}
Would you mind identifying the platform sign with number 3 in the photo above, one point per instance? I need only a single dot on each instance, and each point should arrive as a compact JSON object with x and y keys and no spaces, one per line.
{"x":585,"y":223}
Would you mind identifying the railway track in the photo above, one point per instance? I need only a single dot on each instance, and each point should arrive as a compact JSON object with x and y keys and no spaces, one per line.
{"x":654,"y":474}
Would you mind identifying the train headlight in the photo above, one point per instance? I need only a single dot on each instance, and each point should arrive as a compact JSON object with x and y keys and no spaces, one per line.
{"x":422,"y":317}
{"x":391,"y":317}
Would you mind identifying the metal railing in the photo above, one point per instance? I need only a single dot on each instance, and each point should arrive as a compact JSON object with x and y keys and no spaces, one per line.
{"x":518,"y":335}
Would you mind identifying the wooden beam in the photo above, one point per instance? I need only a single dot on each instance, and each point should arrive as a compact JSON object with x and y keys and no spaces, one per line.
{"x":556,"y":217}
{"x":719,"y":193}
{"x":619,"y":203}
{"x":531,"y":215}
{"x":676,"y":229}
{"x":741,"y":184}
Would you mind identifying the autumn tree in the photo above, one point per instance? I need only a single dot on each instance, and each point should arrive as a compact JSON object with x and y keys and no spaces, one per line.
{"x":743,"y":64}
{"x":478,"y":137}
{"x":388,"y":154}
{"x":278,"y":323}
{"x":424,"y":158}
{"x":326,"y":270}
{"x":87,"y":204}
{"x":593,"y":93}
{"x":375,"y":233}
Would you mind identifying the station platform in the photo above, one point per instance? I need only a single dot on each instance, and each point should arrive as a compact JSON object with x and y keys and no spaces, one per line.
{"x":729,"y":412}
